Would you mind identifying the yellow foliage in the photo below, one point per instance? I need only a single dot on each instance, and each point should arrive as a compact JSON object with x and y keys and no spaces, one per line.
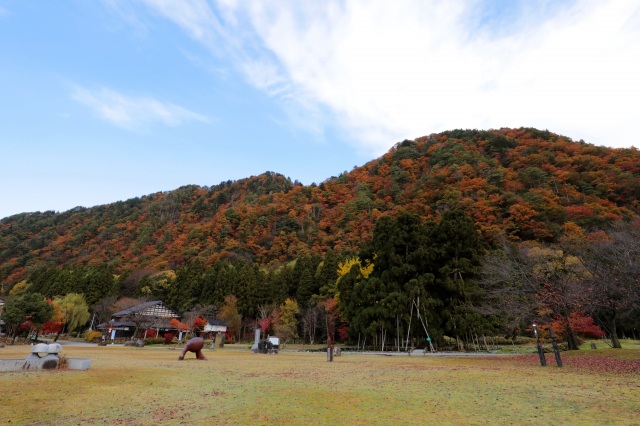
{"x":19,"y":288}
{"x":366,"y":270}
{"x":91,"y":335}
{"x":345,"y":267}
{"x":289,"y":309}
{"x":550,"y":261}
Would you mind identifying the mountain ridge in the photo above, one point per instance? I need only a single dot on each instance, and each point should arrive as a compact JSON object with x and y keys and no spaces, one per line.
{"x":524,"y":183}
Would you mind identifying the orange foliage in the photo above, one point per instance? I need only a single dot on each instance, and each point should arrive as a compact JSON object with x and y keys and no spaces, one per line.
{"x":270,"y":220}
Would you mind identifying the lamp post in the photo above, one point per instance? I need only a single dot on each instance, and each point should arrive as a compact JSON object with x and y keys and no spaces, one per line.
{"x":543,"y":360}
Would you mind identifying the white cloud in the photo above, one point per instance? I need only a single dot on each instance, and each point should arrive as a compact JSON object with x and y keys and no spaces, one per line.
{"x":393,"y":70}
{"x":132,"y":113}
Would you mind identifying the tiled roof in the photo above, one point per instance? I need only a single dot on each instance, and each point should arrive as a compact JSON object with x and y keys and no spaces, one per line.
{"x":137,"y":308}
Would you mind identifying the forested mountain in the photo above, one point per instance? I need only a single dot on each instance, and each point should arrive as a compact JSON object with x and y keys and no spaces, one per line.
{"x":524,"y":183}
{"x":477,"y":232}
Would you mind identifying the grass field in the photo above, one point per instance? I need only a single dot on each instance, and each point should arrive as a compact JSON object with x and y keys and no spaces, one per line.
{"x":149,"y":386}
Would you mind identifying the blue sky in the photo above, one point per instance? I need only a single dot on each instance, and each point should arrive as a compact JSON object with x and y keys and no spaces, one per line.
{"x":110,"y":99}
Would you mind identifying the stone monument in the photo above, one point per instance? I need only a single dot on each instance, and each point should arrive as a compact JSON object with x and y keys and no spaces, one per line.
{"x":44,"y":357}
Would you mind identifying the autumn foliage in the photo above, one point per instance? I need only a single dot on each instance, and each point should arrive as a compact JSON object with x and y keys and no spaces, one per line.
{"x":266,"y":239}
{"x":526,"y":182}
{"x":581,"y":323}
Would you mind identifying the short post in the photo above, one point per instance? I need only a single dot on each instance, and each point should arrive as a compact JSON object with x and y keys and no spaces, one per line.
{"x":556,"y":351}
{"x":543,"y":360}
{"x":213,"y":343}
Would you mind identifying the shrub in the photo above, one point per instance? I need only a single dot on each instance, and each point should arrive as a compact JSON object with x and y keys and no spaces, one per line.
{"x":168,"y":338}
{"x":93,"y":336}
{"x":150,"y":333}
{"x":153,"y":341}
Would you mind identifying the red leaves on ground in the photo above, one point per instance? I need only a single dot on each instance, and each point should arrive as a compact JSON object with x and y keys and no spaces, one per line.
{"x":587,"y":363}
{"x":605,"y":364}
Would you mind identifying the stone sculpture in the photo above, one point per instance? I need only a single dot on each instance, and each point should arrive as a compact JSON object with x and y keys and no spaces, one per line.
{"x":44,"y":357}
{"x":194,"y":345}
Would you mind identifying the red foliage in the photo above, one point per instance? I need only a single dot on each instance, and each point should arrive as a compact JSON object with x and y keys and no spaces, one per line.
{"x":581,"y":323}
{"x":587,"y":363}
{"x":605,"y":364}
{"x":199,"y":323}
{"x":25,"y":326}
{"x":55,"y":324}
{"x":168,"y":338}
{"x":52,"y":326}
{"x":265,"y":324}
{"x":584,"y":326}
{"x":577,"y":211}
{"x":342,"y":332}
{"x":180,"y":326}
{"x":151,"y":333}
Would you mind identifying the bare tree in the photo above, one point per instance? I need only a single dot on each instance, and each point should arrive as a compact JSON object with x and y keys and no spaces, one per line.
{"x":311,"y":321}
{"x":508,"y":288}
{"x":265,"y":317}
{"x":531,"y":282}
{"x":104,"y":308}
{"x":614,"y":266}
{"x":199,"y":312}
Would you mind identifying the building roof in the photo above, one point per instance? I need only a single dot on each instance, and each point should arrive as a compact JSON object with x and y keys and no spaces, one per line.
{"x":162,"y":323}
{"x":148,"y":314}
{"x":216,"y":321}
{"x":137,"y":308}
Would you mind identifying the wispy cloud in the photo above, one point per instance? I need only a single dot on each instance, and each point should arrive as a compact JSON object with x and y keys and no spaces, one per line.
{"x":391,"y":70}
{"x":133,"y":113}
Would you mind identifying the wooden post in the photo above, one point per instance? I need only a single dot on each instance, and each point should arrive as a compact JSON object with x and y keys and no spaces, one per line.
{"x":543,"y":360}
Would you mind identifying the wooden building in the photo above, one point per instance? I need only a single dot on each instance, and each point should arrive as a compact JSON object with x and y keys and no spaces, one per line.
{"x":149,"y":315}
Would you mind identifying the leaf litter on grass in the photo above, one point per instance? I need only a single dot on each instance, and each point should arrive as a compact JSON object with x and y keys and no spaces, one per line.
{"x":133,"y":386}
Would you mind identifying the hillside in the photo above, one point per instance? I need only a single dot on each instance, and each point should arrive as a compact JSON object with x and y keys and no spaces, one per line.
{"x":526,"y":183}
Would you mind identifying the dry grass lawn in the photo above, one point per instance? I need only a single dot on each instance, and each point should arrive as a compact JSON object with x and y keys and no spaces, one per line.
{"x":149,"y":386}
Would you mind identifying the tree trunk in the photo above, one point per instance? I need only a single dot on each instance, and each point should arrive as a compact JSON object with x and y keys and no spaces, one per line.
{"x":406,"y":347}
{"x":398,"y":330}
{"x":572,"y":340}
{"x":58,"y":333}
{"x":615,"y":342}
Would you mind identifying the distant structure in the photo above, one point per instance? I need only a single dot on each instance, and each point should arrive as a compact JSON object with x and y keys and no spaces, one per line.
{"x":148,"y":315}
{"x":215,"y":326}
